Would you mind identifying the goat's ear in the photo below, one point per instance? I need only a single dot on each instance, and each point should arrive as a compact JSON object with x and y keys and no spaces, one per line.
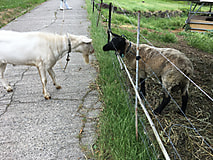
{"x":115,"y":35}
{"x":67,"y":34}
{"x":87,"y":40}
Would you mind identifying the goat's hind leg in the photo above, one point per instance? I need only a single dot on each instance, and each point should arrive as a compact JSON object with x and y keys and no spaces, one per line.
{"x":184,"y":102}
{"x":42,"y":73}
{"x":3,"y":81}
{"x":52,"y":75}
{"x":185,"y":98}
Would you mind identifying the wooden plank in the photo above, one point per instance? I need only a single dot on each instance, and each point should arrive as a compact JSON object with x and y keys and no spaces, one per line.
{"x":201,"y":21}
{"x":204,"y":25}
{"x":200,"y":26}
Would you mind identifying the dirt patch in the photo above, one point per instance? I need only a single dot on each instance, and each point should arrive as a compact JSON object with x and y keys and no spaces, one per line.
{"x":8,"y":15}
{"x":187,"y":141}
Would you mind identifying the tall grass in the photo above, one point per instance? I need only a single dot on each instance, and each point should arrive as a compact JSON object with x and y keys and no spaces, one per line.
{"x":117,"y":127}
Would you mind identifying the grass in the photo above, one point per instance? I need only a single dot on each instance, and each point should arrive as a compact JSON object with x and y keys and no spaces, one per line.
{"x":157,"y":29}
{"x":203,"y":41}
{"x":148,"y":5}
{"x":10,"y":9}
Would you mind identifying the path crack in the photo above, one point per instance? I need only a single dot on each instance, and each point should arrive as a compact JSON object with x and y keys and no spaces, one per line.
{"x":11,"y":98}
{"x":53,"y":21}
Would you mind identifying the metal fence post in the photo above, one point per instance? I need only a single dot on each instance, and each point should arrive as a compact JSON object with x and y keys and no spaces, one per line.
{"x":99,"y":13}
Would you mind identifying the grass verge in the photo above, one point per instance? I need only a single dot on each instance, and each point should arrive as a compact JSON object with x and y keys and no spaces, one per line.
{"x":117,"y":123}
{"x":11,"y":9}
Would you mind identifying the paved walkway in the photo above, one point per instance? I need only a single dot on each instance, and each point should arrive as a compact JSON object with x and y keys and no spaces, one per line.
{"x":34,"y":128}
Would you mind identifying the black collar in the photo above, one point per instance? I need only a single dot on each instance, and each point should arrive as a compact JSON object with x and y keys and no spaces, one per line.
{"x":69,"y":45}
{"x":128,"y":47}
{"x":122,"y":54}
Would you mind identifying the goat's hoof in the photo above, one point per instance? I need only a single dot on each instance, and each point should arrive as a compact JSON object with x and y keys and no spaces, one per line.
{"x":47,"y":97}
{"x":9,"y":89}
{"x":58,"y":87}
{"x":157,"y":112}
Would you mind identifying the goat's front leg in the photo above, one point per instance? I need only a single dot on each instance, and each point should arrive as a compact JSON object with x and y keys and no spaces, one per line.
{"x":142,"y":89}
{"x":42,"y":73}
{"x":184,"y":102}
{"x":52,"y":75}
{"x":166,"y":100}
{"x":3,"y":81}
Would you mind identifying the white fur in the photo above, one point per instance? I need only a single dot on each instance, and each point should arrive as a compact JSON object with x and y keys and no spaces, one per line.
{"x":39,"y":49}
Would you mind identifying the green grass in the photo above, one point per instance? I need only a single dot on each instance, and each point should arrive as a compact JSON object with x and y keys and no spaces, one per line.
{"x":148,"y":5}
{"x":24,"y":4}
{"x":10,"y":9}
{"x":203,"y":41}
{"x":157,"y":29}
{"x":116,"y":131}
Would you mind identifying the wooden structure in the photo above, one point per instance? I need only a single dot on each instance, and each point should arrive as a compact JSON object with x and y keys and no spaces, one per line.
{"x":198,"y":20}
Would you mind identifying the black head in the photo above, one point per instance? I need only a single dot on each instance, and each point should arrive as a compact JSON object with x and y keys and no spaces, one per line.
{"x":118,"y":43}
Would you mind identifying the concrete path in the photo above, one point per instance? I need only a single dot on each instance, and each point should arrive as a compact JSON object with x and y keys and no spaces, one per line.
{"x":61,"y":128}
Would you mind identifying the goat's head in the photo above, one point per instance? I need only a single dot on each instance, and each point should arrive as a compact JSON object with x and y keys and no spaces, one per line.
{"x":81,"y":44}
{"x":118,"y":43}
{"x":87,"y":49}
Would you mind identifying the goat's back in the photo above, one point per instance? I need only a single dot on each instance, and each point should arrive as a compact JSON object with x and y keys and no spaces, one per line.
{"x":158,"y":60}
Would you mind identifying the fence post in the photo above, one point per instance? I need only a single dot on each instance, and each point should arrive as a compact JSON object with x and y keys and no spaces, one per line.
{"x":93,"y":6}
{"x":136,"y":83}
{"x":109,"y":23}
{"x":99,"y":13}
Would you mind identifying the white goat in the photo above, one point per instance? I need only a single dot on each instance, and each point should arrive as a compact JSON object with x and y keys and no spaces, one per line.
{"x":151,"y":61}
{"x":39,"y":49}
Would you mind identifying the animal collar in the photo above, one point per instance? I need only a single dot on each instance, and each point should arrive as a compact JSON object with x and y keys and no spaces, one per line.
{"x":127,"y":51}
{"x":69,"y":45}
{"x":128,"y":47}
{"x":68,"y":55}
